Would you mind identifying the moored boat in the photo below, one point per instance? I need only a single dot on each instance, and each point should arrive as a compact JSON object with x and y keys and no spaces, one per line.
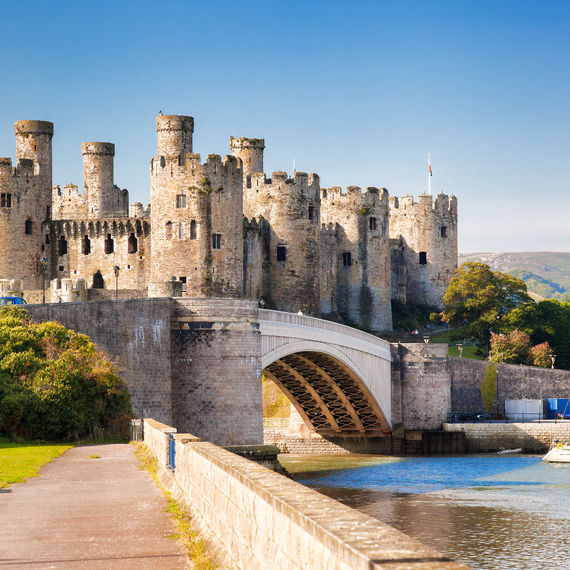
{"x":558,"y":453}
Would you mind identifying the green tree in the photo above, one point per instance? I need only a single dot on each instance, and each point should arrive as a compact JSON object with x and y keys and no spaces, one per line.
{"x":480,"y":299}
{"x":54,"y":384}
{"x":511,"y":347}
{"x":489,"y":386}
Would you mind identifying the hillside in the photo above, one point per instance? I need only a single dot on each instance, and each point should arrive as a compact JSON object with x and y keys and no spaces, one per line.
{"x":546,"y":274}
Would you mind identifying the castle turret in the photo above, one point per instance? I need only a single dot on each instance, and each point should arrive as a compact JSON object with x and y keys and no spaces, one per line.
{"x":196,"y":216}
{"x":174,"y":134}
{"x":103,"y":198}
{"x":423,"y":238}
{"x":33,"y":141}
{"x":251,"y":153}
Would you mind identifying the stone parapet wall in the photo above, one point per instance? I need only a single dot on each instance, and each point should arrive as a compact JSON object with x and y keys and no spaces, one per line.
{"x":156,"y":438}
{"x":533,"y":437}
{"x":262,"y":519}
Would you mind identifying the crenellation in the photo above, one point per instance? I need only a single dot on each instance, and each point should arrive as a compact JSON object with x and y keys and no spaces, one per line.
{"x":220,"y":228}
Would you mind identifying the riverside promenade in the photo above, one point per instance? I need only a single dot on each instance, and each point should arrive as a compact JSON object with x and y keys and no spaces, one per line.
{"x":88,"y":512}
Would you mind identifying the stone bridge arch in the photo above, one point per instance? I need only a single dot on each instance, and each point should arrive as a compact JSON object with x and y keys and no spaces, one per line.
{"x":338,"y":378}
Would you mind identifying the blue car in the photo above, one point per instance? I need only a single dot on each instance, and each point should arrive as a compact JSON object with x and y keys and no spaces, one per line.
{"x":12,"y":301}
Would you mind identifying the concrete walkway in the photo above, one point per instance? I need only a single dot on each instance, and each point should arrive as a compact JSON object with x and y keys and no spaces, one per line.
{"x":83,"y":512}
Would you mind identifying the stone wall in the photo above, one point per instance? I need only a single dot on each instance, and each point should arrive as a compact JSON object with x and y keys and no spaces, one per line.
{"x":262,"y":519}
{"x":421,"y":382}
{"x":514,"y":382}
{"x":533,"y":437}
{"x":137,"y":333}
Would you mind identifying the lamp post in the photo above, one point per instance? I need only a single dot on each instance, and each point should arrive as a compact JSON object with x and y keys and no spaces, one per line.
{"x":552,"y":360}
{"x":460,"y":349}
{"x":116,"y":270}
{"x":43,"y":268}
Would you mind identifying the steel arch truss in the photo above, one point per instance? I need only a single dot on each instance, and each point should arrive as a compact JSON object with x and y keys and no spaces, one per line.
{"x":331,"y":399}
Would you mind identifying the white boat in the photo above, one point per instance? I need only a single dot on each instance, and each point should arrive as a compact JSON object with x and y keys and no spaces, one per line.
{"x":558,"y":453}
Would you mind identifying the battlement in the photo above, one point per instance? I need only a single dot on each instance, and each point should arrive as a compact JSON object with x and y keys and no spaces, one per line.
{"x":354,"y":197}
{"x":424,"y":205}
{"x":239,"y":143}
{"x":24,"y":166}
{"x":23,"y":128}
{"x":301,"y":183}
{"x":98,"y":148}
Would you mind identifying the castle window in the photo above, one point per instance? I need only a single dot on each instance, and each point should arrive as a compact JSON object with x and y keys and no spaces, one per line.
{"x":98,"y":280}
{"x":216,"y":241}
{"x":193,"y":229}
{"x":62,"y":246}
{"x":61,"y":267}
{"x":28,"y":227}
{"x":181,"y":200}
{"x":85,"y":245}
{"x":5,"y":200}
{"x":47,"y":238}
{"x":281,"y":253}
{"x":133,"y":244}
{"x":181,"y":230}
{"x":347,"y":258}
{"x":311,"y":212}
{"x":372,"y":223}
{"x":48,"y":212}
{"x":443,"y":231}
{"x":183,"y":281}
{"x":423,"y":257}
{"x":168,"y":230}
{"x":109,"y":244}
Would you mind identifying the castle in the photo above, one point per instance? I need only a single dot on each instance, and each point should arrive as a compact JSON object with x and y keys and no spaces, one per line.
{"x":220,"y":228}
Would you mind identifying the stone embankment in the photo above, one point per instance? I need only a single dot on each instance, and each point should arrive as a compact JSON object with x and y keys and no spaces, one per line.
{"x":263,"y":520}
{"x":534,"y":437}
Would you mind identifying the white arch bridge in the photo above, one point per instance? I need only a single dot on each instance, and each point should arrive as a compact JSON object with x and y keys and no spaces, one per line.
{"x":337,"y":377}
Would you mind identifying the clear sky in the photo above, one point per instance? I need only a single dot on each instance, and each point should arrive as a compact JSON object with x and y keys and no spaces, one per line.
{"x":356,"y":91}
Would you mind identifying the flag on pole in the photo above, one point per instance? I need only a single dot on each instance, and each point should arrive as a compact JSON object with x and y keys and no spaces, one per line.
{"x":429,"y":168}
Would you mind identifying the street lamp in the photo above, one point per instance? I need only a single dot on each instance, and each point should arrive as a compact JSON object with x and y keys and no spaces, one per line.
{"x":43,"y":268}
{"x":460,"y":349}
{"x":116,"y":270}
{"x":552,"y":359}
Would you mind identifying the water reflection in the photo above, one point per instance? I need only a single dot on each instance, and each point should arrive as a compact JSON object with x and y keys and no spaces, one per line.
{"x":486,"y":511}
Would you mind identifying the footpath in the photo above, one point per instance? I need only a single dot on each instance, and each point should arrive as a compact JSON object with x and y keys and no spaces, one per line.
{"x":88,"y":512}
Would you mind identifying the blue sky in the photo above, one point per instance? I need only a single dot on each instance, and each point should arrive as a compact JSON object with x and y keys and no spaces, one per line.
{"x":358,"y":92}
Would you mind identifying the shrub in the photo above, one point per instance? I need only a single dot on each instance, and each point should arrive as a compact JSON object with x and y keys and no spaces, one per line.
{"x":54,"y":383}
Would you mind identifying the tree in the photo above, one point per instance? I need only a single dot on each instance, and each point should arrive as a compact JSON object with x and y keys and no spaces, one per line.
{"x":480,"y":299}
{"x":489,"y":386}
{"x":54,"y":384}
{"x":540,"y":355}
{"x":512,"y":347}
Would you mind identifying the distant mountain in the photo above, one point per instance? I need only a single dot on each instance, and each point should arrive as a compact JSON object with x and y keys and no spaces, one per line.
{"x":546,"y":274}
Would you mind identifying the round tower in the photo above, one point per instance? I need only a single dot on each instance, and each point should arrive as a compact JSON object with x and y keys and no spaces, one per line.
{"x":98,"y":177}
{"x":251,"y":153}
{"x":33,"y":141}
{"x":174,"y":133}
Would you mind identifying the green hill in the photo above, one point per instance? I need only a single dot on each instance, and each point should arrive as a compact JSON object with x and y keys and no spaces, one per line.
{"x":546,"y":274}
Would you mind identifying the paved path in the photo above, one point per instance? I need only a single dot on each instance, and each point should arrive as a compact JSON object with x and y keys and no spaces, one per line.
{"x":83,"y":512}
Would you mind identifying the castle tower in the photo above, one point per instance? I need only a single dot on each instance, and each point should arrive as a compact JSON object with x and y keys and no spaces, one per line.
{"x":196,"y":216}
{"x":174,"y":134}
{"x":25,"y":204}
{"x":423,"y":238}
{"x":33,"y":141}
{"x":98,"y":178}
{"x":360,"y":221}
{"x":251,"y":153}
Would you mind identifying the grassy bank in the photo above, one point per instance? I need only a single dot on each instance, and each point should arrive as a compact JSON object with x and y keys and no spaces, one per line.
{"x":20,"y":461}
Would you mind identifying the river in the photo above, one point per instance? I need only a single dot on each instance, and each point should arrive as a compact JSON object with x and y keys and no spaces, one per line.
{"x":487,"y":511}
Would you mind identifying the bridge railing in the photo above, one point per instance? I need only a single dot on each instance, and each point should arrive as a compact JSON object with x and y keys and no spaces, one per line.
{"x":306,"y":321}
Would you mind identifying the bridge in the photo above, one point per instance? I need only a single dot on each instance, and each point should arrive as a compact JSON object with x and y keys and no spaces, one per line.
{"x":337,"y":377}
{"x":196,"y":364}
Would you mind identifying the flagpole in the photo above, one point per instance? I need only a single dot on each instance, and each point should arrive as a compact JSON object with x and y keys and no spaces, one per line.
{"x":429,"y":173}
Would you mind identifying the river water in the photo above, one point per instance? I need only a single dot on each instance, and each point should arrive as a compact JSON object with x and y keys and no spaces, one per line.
{"x":487,"y":511}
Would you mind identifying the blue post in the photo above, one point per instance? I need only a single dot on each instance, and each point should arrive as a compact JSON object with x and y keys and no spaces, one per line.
{"x":171,"y":451}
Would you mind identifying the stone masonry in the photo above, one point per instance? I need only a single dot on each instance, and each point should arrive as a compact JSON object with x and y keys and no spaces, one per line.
{"x":218,"y":228}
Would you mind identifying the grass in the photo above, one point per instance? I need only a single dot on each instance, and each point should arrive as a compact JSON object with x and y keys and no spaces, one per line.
{"x":454,"y":337}
{"x":20,"y":461}
{"x":200,"y":558}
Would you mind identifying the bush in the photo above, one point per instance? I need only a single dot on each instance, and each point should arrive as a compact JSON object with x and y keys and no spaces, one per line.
{"x":489,"y":387}
{"x":407,"y":316}
{"x":54,"y":384}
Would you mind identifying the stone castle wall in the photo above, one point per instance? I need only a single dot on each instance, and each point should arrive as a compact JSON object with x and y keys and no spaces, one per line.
{"x":220,"y":228}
